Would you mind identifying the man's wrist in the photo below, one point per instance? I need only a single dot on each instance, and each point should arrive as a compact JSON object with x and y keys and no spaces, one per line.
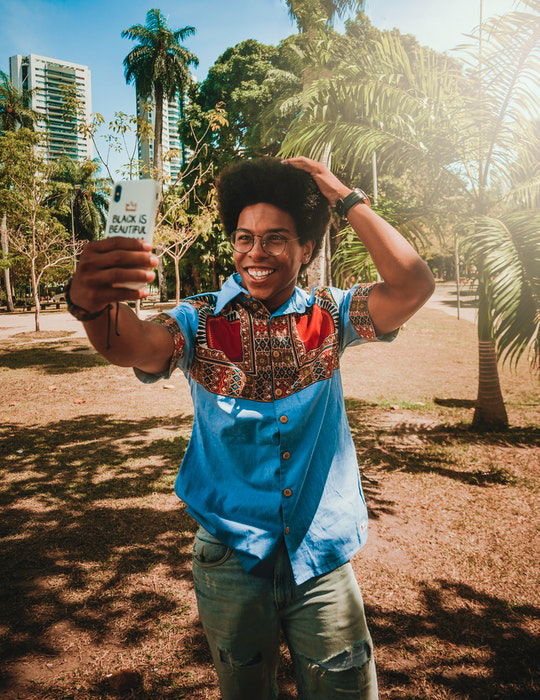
{"x":341,"y":194}
{"x":79,"y":312}
{"x":354,"y":197}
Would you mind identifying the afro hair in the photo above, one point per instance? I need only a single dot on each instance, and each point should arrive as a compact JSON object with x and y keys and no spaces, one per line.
{"x":270,"y":180}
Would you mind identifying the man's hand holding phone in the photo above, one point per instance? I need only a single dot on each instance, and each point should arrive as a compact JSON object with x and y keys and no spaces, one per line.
{"x":119,"y":267}
{"x":107,"y":265}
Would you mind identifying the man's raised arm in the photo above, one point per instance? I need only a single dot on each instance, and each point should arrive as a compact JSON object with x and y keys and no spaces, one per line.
{"x":115,"y":330}
{"x":407,"y":280}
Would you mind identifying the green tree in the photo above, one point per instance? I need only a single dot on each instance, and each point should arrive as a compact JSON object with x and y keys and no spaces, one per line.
{"x":14,"y":113}
{"x":159,"y":66}
{"x":14,"y":109}
{"x":84,"y":194}
{"x":34,"y":232}
{"x":237,"y":81}
{"x":461,"y":127}
{"x":309,"y":14}
{"x":81,"y":200}
{"x":180,"y":229}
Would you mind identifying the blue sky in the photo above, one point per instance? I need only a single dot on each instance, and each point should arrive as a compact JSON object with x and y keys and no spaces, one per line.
{"x":89,"y":32}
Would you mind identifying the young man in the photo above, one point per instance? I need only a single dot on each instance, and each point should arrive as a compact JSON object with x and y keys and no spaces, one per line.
{"x":270,"y":473}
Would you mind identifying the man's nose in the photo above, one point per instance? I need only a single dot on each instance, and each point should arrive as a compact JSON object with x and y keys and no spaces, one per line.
{"x":258,"y":251}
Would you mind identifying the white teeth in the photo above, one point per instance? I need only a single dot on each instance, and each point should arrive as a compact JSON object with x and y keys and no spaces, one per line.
{"x":259,"y":274}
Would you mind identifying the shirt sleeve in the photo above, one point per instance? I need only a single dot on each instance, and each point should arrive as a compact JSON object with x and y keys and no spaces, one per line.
{"x":356,"y":323}
{"x":181,"y":323}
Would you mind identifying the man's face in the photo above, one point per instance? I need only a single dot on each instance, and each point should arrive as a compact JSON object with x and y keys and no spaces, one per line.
{"x":270,"y":278}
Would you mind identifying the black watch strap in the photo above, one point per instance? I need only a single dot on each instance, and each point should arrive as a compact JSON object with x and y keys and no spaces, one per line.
{"x":354,"y":197}
{"x":77,"y":311}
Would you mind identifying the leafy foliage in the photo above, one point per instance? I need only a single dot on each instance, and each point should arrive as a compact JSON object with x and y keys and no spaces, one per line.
{"x":14,"y":110}
{"x":159,"y":60}
{"x":82,"y":197}
{"x":507,"y":249}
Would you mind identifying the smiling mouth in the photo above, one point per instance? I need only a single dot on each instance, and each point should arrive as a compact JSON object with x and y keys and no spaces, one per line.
{"x":257,"y":273}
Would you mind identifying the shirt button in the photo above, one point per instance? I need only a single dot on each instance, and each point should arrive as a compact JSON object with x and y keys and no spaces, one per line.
{"x":279,"y":392}
{"x":286,"y":455}
{"x":276,"y":353}
{"x":283,"y":419}
{"x":287,"y":493}
{"x":287,"y":530}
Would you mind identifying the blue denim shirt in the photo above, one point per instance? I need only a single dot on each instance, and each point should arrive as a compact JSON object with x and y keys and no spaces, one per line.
{"x":271,"y":454}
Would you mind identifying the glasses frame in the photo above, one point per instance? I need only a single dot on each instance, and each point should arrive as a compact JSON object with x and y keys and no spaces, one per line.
{"x":254,"y":236}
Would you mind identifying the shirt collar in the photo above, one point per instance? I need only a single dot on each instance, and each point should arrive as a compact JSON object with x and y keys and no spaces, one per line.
{"x":295,"y":304}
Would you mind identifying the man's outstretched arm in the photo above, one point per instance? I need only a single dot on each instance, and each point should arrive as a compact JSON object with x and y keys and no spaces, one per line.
{"x":407,"y":280}
{"x":117,"y":260}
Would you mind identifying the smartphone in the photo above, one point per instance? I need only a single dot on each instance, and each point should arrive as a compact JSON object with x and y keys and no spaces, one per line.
{"x":132,"y":213}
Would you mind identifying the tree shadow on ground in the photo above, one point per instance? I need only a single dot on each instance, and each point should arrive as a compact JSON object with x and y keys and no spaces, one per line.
{"x":72,"y":537}
{"x":65,"y":357}
{"x":420,"y":447}
{"x":465,"y":642}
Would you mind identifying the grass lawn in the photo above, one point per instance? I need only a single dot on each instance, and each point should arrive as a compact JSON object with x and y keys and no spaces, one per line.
{"x":95,"y":575}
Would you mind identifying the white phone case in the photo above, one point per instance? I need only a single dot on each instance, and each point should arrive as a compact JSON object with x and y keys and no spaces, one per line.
{"x":132,"y":213}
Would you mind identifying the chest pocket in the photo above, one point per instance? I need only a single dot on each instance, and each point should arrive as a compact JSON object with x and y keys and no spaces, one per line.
{"x":315,"y":328}
{"x":224,"y":335}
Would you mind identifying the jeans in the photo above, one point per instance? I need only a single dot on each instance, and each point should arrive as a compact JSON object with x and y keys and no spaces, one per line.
{"x":243,"y":616}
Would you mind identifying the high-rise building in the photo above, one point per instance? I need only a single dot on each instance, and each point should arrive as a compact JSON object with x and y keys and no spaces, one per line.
{"x":171,"y":142}
{"x":54,"y":84}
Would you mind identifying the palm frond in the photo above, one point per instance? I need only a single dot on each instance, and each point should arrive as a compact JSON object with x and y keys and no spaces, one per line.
{"x":352,"y":262}
{"x":507,"y":253}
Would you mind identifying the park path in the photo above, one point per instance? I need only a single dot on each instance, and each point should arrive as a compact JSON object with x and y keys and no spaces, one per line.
{"x":443,"y":299}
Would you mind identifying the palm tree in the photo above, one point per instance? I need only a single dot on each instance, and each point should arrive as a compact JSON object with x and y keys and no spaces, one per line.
{"x":421,"y":112}
{"x":82,"y":199}
{"x":14,"y":113}
{"x":159,"y":66}
{"x":314,"y":18}
{"x":14,"y":109}
{"x":309,"y":13}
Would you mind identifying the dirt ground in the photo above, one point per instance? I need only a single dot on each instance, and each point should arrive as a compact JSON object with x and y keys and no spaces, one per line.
{"x":95,"y":574}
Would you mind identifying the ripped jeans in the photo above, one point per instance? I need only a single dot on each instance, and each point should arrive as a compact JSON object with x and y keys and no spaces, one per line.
{"x":322,"y":620}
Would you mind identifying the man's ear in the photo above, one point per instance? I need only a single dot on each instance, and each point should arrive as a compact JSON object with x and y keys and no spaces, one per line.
{"x":307,"y":251}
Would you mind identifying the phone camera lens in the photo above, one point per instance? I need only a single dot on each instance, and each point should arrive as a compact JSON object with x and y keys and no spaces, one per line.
{"x":117,"y":193}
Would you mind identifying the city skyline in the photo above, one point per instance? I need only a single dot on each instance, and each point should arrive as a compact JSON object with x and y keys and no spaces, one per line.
{"x":49,"y":81}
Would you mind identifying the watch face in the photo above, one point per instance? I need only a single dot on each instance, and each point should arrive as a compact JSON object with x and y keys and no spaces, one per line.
{"x":361,"y":194}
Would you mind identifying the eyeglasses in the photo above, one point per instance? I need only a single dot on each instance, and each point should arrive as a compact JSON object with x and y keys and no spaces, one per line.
{"x":272,"y":243}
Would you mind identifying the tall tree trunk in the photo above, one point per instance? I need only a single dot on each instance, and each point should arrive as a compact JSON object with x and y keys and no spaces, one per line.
{"x":35,"y":292}
{"x":177,"y":278}
{"x":456,"y":266}
{"x":158,"y":134}
{"x":490,"y":412}
{"x":162,"y":282}
{"x":196,"y":278}
{"x":318,"y":273}
{"x":5,"y":253}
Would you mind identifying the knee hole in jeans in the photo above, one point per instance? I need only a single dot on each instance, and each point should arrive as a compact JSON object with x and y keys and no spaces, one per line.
{"x":346,"y":672}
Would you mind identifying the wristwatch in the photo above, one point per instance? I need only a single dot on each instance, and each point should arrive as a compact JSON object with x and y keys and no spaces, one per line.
{"x":78,"y":311}
{"x":354,"y":197}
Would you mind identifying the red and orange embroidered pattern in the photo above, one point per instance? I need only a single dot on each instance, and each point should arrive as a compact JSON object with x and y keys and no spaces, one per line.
{"x":359,"y":314}
{"x":278,"y":356}
{"x":243,"y":353}
{"x":178,"y":338}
